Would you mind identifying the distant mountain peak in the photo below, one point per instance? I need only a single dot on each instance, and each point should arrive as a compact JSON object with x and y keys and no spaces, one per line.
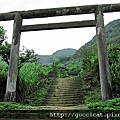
{"x":65,"y":51}
{"x":56,"y":56}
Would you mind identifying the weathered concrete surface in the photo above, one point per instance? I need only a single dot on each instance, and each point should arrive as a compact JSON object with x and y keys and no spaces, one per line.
{"x":64,"y":25}
{"x":13,"y":64}
{"x":41,"y":13}
{"x":106,"y":89}
{"x":65,"y":92}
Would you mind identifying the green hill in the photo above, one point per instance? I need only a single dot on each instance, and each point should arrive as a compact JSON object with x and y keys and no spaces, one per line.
{"x":112,"y":36}
{"x":57,"y":56}
{"x":64,"y":52}
{"x":85,"y":63}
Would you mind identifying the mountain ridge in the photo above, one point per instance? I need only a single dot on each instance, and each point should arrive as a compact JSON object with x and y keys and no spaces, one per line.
{"x":56,"y":56}
{"x":112,"y":30}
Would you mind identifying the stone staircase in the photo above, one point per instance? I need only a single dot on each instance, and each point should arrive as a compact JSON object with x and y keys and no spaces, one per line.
{"x":65,"y":96}
{"x":65,"y":92}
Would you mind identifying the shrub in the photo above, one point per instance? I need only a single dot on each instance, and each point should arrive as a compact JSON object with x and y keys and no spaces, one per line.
{"x":113,"y":104}
{"x":114,"y":60}
{"x":32,"y":82}
{"x":3,"y":79}
{"x":11,"y":106}
{"x":90,"y":72}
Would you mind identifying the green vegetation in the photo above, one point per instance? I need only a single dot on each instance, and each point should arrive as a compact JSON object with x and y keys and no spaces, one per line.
{"x":112,"y":30}
{"x":5,"y":52}
{"x":34,"y":78}
{"x":33,"y":83}
{"x":2,"y":35}
{"x":113,"y":104}
{"x":3,"y":79}
{"x":91,"y":77}
{"x":17,"y":106}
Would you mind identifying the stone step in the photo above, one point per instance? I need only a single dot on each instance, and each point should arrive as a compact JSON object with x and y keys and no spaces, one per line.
{"x":63,"y":99}
{"x":65,"y":95}
{"x":65,"y":92}
{"x":72,"y":90}
{"x":63,"y":80}
{"x":65,"y":86}
{"x":74,"y":103}
{"x":63,"y":103}
{"x":66,"y":82}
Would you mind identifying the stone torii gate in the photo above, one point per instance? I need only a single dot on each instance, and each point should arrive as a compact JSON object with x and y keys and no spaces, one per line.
{"x":18,"y":16}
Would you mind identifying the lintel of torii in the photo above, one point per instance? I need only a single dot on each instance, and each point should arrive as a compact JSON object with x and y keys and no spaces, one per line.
{"x":42,"y":13}
{"x":63,"y":11}
{"x":18,"y":16}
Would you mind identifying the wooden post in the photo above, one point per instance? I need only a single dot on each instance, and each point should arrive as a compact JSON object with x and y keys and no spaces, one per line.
{"x":10,"y":95}
{"x":106,"y":89}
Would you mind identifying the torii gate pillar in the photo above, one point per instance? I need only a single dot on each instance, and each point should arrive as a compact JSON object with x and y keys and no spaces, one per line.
{"x":106,"y":89}
{"x":10,"y":95}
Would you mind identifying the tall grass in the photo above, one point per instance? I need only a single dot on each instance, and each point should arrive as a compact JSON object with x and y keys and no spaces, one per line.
{"x":33,"y":83}
{"x":114,"y":60}
{"x":90,"y":73}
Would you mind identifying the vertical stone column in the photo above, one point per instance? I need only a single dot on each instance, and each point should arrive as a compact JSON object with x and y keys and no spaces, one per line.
{"x":10,"y":95}
{"x":106,"y":90}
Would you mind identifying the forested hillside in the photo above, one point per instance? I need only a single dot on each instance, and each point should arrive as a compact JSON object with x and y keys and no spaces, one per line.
{"x":85,"y":63}
{"x":57,"y":56}
{"x":112,"y":30}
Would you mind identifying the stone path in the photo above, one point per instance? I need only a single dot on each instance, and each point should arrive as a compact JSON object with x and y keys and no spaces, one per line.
{"x":65,"y":93}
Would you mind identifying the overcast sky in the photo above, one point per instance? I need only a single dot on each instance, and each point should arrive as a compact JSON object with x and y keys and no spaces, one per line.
{"x":49,"y":41}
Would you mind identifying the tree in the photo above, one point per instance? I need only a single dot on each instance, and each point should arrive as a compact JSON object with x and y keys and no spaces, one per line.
{"x":5,"y":52}
{"x":3,"y":37}
{"x":4,"y":47}
{"x":27,"y":55}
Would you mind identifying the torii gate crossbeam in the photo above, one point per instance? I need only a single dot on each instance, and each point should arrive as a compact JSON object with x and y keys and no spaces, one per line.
{"x":42,"y":13}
